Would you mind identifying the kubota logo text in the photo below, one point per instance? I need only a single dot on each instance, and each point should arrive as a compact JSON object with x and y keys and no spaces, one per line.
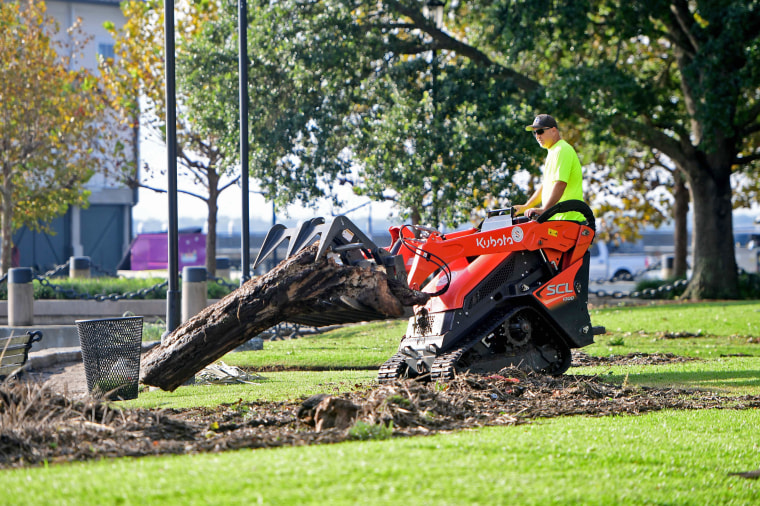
{"x":495,"y":242}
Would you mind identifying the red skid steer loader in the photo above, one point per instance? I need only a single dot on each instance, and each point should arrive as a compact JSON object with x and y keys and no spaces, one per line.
{"x":510,"y":292}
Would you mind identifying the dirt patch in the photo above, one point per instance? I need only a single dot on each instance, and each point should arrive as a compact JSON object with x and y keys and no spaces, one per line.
{"x":581,"y":359}
{"x":39,"y":424}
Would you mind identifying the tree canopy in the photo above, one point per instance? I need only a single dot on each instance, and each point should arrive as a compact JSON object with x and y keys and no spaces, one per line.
{"x":51,"y":114}
{"x":432,"y":116}
{"x":327,"y":96}
{"x":136,"y":85}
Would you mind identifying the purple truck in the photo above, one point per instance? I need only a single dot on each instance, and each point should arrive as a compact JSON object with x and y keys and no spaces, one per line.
{"x":150,"y":251}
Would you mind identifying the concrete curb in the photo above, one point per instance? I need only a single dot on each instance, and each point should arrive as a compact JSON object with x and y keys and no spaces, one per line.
{"x":65,"y":312}
{"x":52,"y":356}
{"x":53,"y":336}
{"x":49,"y":357}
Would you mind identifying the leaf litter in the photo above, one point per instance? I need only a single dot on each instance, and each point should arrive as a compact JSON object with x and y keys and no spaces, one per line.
{"x":41,"y":425}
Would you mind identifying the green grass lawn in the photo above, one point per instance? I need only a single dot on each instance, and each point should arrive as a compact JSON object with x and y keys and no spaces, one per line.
{"x":348,"y":357}
{"x":361,"y":346}
{"x":661,"y":458}
{"x":724,"y":319}
{"x":669,"y":457}
{"x":270,"y":386}
{"x":737,"y":376}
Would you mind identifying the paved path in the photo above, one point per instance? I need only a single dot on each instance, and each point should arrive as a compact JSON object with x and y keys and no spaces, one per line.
{"x":62,"y":369}
{"x":64,"y":377}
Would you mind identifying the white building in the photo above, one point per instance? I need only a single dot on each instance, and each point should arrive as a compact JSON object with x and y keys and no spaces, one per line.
{"x":102,"y":231}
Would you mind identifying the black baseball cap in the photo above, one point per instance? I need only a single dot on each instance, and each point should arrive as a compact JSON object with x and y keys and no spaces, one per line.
{"x":542,"y":121}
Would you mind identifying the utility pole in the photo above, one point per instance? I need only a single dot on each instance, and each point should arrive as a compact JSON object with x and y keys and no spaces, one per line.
{"x":172,"y":293}
{"x":245,"y":234}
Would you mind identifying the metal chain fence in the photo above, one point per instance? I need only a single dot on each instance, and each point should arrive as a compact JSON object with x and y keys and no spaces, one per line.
{"x":285,"y":330}
{"x":69,"y":293}
{"x":293,"y":331}
{"x":278,"y":332}
{"x":648,"y":293}
{"x":223,"y":282}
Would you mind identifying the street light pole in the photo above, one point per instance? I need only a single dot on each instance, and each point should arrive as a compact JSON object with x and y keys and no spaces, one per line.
{"x":172,"y":293}
{"x":433,"y":11}
{"x":245,"y":236}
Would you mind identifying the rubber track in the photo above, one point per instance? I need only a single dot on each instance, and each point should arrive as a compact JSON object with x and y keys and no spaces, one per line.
{"x":392,"y":368}
{"x":444,"y":366}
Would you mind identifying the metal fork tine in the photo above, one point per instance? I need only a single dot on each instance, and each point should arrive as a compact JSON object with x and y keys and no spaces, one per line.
{"x":305,"y":235}
{"x":340,"y":234}
{"x":335,"y":229}
{"x":276,"y":235}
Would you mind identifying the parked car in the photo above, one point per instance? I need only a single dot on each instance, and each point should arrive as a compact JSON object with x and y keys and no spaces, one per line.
{"x":613,"y":262}
{"x":747,"y":248}
{"x":747,"y":239}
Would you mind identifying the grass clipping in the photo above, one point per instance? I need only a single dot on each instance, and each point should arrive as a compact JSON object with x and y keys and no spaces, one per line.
{"x":39,"y":426}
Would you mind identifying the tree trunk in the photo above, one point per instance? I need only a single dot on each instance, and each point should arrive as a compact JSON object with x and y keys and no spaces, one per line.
{"x":211,"y":234}
{"x":714,"y":275}
{"x":212,"y":203}
{"x":415,"y":216}
{"x":294,"y":287}
{"x":680,"y":233}
{"x":6,"y":221}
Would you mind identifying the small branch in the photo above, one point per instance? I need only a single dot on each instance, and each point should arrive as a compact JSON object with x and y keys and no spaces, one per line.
{"x":681,"y":12}
{"x":750,"y":129}
{"x":132,"y":183}
{"x":746,"y":160}
{"x":233,"y":182}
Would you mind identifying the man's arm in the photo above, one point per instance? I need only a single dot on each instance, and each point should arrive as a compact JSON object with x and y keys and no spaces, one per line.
{"x":557,"y":190}
{"x":532,"y":201}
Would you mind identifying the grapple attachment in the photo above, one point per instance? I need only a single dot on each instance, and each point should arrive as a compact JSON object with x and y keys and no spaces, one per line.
{"x":339,"y":236}
{"x":341,"y":239}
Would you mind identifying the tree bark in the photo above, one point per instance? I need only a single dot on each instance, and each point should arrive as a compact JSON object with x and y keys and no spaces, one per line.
{"x":6,"y":220}
{"x":212,"y":205}
{"x":294,"y":287}
{"x":680,"y":232}
{"x":714,"y":271}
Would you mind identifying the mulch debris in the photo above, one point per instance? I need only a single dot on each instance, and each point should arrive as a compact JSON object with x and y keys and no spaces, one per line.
{"x":39,"y":425}
{"x":582,"y":359}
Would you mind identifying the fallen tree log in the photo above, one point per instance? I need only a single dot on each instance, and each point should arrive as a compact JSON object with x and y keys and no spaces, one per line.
{"x":297,"y":285}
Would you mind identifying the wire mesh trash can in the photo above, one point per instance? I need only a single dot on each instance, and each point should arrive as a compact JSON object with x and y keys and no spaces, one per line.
{"x":111,"y":355}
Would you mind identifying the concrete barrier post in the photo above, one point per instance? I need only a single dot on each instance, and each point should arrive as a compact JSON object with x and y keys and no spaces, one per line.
{"x":20,"y":297}
{"x":194,"y":291}
{"x":79,"y":267}
{"x":223,"y":267}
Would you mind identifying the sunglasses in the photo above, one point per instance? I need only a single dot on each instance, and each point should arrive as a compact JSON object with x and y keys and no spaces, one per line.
{"x":540,"y":131}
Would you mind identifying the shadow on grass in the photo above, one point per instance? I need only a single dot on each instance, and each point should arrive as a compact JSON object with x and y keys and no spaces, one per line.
{"x":694,"y":379}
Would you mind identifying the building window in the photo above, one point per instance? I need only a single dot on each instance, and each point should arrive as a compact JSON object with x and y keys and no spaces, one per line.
{"x":106,"y":51}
